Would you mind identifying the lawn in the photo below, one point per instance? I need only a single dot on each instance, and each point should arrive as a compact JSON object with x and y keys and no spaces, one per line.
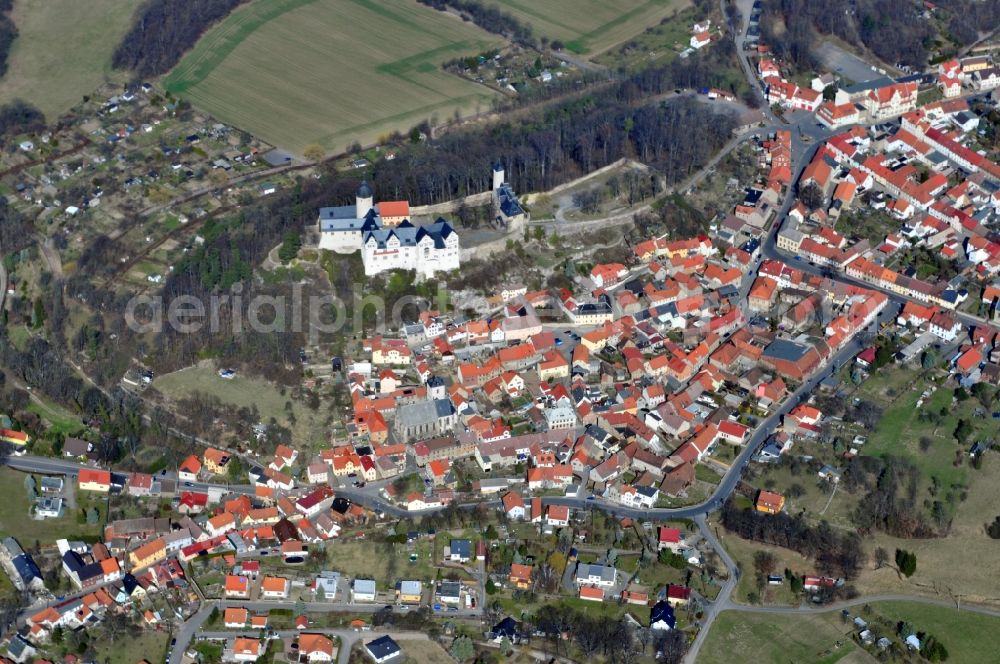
{"x":147,"y":644}
{"x":658,"y":44}
{"x":244,"y":392}
{"x":63,"y":50}
{"x":57,"y":417}
{"x":969,"y":637}
{"x":15,"y":520}
{"x":332,"y":72}
{"x":419,"y":650}
{"x":899,"y":432}
{"x":591,"y":26}
{"x":758,"y":637}
{"x":374,"y":560}
{"x":742,"y":551}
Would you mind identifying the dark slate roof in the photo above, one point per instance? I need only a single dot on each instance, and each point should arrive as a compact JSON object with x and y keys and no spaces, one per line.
{"x":26,"y":568}
{"x":462,"y":547}
{"x":509,"y":204}
{"x":364,"y":191}
{"x":410,"y":235}
{"x":506,"y":627}
{"x":662,"y":611}
{"x":382,"y":647}
{"x":783,"y":349}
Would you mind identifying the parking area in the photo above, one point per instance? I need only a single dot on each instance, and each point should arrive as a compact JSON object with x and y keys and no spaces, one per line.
{"x":844,"y":64}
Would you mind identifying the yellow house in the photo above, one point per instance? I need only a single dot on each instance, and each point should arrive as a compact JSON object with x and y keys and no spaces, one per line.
{"x":770,"y":503}
{"x":94,"y":480}
{"x":148,"y":554}
{"x":215,"y":461}
{"x":18,"y":438}
{"x":553,"y":366}
{"x":409,"y":592}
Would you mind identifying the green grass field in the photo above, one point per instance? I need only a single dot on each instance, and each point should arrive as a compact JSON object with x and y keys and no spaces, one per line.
{"x":373,"y":560}
{"x":295,"y":72}
{"x":589,"y":27}
{"x":63,"y":50}
{"x":16,"y":521}
{"x":759,"y":637}
{"x":740,"y":636}
{"x":245,"y":392}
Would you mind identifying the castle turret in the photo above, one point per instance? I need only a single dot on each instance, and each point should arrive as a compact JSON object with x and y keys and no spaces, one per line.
{"x":498,"y":176}
{"x":363,"y":200}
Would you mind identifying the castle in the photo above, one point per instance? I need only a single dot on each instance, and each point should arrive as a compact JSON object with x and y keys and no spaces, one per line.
{"x":388,"y":241}
{"x":386,"y":238}
{"x":510,"y":214}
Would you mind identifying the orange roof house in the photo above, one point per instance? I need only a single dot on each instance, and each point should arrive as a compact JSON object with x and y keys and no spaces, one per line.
{"x":237,"y":586}
{"x":215,"y":460}
{"x":94,"y":480}
{"x":520,"y":576}
{"x":769,"y":502}
{"x":236,"y":617}
{"x":191,"y":466}
{"x":244,"y":647}
{"x":274,"y":586}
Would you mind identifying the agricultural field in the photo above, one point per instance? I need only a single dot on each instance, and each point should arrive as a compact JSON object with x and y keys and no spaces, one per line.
{"x":63,"y":50}
{"x":331,"y":72}
{"x":589,"y":27}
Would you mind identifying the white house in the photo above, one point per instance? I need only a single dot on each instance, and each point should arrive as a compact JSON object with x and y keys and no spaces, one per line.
{"x":386,"y":238}
{"x":602,"y":576}
{"x":363,"y":590}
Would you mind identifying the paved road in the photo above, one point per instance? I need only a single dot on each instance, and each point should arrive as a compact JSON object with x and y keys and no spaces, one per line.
{"x":858,"y":601}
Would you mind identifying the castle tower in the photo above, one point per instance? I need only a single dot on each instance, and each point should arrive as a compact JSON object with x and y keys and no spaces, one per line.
{"x":363,"y":201}
{"x":498,"y":176}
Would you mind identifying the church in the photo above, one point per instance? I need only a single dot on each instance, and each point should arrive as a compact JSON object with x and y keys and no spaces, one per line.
{"x":385,"y":237}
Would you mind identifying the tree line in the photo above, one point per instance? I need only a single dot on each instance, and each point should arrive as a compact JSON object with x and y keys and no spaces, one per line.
{"x":8,"y":33}
{"x":837,"y":554}
{"x":164,"y":30}
{"x":20,"y":117}
{"x":489,"y":18}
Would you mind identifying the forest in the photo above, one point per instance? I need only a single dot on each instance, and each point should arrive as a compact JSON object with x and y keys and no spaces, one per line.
{"x":20,"y":117}
{"x":890,"y":28}
{"x":489,"y":18}
{"x":164,"y":30}
{"x":541,"y":150}
{"x":16,"y":230}
{"x":8,"y":33}
{"x":838,"y":554}
{"x":894,"y":30}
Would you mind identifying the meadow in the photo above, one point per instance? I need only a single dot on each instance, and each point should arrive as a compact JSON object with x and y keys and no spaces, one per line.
{"x":589,"y":27}
{"x":761,"y":637}
{"x":814,"y":637}
{"x":63,"y":50}
{"x":243,"y":391}
{"x":331,"y":72}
